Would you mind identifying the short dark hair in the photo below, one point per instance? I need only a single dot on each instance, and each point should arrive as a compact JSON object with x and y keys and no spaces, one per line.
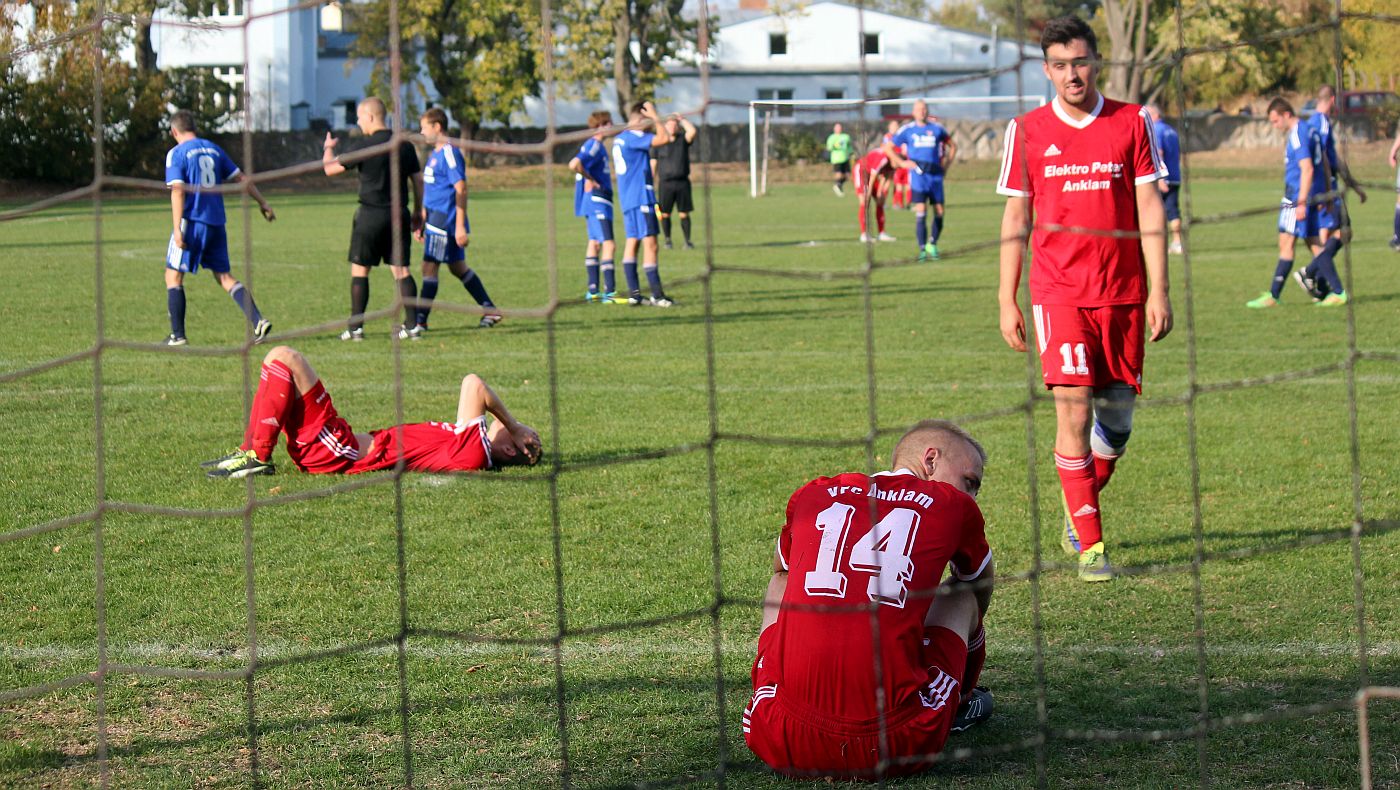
{"x":1281,"y":106}
{"x":1064,"y":29}
{"x":637,"y":107}
{"x":1325,"y":91}
{"x":437,"y":116}
{"x":182,"y":121}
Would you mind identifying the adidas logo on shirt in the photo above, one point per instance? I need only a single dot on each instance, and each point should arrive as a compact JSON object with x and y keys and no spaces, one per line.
{"x":1053,"y":150}
{"x":1087,"y":510}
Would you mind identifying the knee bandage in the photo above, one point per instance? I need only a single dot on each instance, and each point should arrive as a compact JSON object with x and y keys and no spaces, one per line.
{"x":1113,"y":420}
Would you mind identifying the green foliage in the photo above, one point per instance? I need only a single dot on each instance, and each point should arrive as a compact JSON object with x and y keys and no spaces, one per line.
{"x":791,"y":145}
{"x":479,"y":54}
{"x":625,"y":40}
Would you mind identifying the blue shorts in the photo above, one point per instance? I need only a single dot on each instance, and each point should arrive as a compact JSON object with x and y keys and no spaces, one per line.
{"x":1288,"y":223}
{"x":600,"y":220}
{"x":639,"y":222}
{"x":439,"y":246}
{"x":1329,"y":216}
{"x":206,"y":246}
{"x":926,"y":189}
{"x":1171,"y":201}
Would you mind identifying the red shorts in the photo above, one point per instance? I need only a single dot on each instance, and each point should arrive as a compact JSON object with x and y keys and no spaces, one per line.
{"x":795,"y":740}
{"x":1090,"y":346}
{"x":319,"y":440}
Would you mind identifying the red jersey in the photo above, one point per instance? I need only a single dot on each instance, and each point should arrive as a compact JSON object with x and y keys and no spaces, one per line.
{"x":1083,"y":175}
{"x":875,"y":161}
{"x":838,"y":564}
{"x":428,"y":447}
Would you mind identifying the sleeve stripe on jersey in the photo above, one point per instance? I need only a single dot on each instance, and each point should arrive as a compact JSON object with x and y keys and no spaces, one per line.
{"x":980,"y":568}
{"x":1159,"y":166}
{"x":1006,"y":158}
{"x":447,"y":154}
{"x":782,"y":559}
{"x":175,"y":181}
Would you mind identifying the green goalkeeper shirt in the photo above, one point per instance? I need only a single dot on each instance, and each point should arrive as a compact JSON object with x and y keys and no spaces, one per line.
{"x":840,"y":147}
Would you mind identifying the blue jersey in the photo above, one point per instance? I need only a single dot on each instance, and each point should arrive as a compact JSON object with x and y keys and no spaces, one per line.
{"x":199,"y":165}
{"x":594,"y":160}
{"x":1170,"y":146}
{"x":445,"y":169}
{"x":924,"y":144}
{"x":1322,"y":126}
{"x":1302,"y":146}
{"x":631,"y":154}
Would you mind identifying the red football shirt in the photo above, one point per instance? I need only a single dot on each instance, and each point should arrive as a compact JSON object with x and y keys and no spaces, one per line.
{"x":1082,"y":175}
{"x":838,"y":564}
{"x":875,"y":161}
{"x":428,"y":447}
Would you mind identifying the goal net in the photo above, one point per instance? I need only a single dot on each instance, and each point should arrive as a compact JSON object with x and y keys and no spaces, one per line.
{"x":773,"y":120}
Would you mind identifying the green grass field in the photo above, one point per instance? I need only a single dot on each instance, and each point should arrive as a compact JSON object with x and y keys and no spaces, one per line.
{"x":1109,"y":691}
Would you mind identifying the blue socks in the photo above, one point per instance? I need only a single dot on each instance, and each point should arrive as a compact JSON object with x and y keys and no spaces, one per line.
{"x":240,"y":296}
{"x":937,"y":227}
{"x":427,"y":294}
{"x":474,"y":287}
{"x":1397,"y":222}
{"x":921,"y":230}
{"x":1326,"y":267}
{"x":591,"y":264}
{"x":175,"y":306}
{"x":629,"y":270}
{"x":609,"y":277}
{"x":654,"y":280}
{"x":1280,"y":277}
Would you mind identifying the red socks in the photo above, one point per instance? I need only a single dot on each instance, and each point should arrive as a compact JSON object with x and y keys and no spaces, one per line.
{"x":976,"y":658}
{"x":1081,"y":487}
{"x":1103,"y":469}
{"x":880,"y":215}
{"x":270,"y":405}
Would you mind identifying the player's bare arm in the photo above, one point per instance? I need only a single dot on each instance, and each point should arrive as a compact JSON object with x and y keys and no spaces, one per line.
{"x":416,"y":218}
{"x":1015,"y":232}
{"x":256,"y":195}
{"x":1152,"y":223}
{"x":1395,"y":150}
{"x":951,"y":148}
{"x":177,"y":213}
{"x":330,"y":163}
{"x":660,"y":136}
{"x":460,"y":198}
{"x":773,"y":597}
{"x":477,"y":398}
{"x":900,"y":160}
{"x":690,"y":130}
{"x":576,"y":165}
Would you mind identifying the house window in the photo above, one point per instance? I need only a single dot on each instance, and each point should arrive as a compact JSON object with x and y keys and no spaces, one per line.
{"x":225,"y":8}
{"x":350,"y":117}
{"x":870,"y":44}
{"x":777,"y":44}
{"x":835,"y":94}
{"x":779,"y":94}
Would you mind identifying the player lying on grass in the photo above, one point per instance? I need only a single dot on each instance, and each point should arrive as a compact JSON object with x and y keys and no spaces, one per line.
{"x":291,"y":399}
{"x":874,"y":177}
{"x":844,"y":691}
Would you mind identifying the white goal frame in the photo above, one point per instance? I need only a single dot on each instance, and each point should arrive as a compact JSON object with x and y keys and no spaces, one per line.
{"x":755,"y":189}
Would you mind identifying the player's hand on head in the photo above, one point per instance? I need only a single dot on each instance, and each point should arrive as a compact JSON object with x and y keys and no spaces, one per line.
{"x":1013,"y":327}
{"x":527,"y":441}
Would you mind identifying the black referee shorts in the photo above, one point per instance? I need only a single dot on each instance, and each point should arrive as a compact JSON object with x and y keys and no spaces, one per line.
{"x":372,"y":238}
{"x":674,"y":195}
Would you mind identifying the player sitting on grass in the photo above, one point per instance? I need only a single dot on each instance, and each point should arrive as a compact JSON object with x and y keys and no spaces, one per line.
{"x":874,"y":177}
{"x":444,"y":229}
{"x":593,"y":200}
{"x":865,"y":662}
{"x":198,"y":238}
{"x":291,"y":399}
{"x":631,"y":154}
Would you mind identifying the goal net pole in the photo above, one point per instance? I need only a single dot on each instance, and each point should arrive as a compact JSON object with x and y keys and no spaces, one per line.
{"x":769,"y":105}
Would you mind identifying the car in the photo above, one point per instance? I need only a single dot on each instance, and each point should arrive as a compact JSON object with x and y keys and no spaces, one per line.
{"x":1366,"y":102}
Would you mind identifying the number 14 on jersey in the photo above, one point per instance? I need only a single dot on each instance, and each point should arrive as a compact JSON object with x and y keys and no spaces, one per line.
{"x":883,"y":551}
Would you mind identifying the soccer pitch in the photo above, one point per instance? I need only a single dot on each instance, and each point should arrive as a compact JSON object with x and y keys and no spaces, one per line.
{"x":1118,"y":674}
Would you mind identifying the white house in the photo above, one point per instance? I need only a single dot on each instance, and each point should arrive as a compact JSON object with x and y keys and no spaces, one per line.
{"x":298,"y":68}
{"x":815,"y":53}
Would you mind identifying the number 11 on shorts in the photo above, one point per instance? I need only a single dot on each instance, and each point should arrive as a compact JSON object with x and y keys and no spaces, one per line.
{"x":1076,"y":362}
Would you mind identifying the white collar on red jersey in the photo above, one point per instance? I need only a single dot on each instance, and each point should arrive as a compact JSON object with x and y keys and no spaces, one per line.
{"x":1063,"y":115}
{"x":903,"y":470}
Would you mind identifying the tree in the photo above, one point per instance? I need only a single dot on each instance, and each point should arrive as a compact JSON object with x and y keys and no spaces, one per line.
{"x":628,"y":40}
{"x":479,"y":54}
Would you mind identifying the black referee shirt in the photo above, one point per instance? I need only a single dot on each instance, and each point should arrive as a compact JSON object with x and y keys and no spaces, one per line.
{"x":673,"y":159}
{"x":374,"y":172}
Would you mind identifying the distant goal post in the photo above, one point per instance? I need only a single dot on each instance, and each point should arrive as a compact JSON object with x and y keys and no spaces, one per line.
{"x":762,"y":112}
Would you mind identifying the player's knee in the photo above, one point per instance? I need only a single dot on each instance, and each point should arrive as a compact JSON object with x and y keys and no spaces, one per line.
{"x":472,"y":382}
{"x":284,"y":354}
{"x":1113,"y":420}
